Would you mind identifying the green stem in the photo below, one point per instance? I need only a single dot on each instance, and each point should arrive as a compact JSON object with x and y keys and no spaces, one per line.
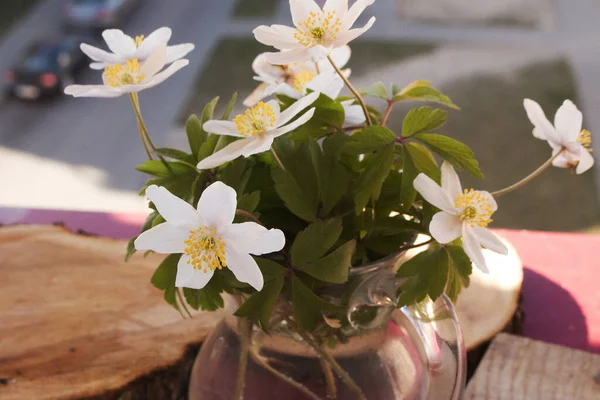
{"x":141,"y":131}
{"x":528,"y":178}
{"x":329,"y":379}
{"x":135,"y":101}
{"x":277,"y":159}
{"x":182,"y":301}
{"x":387,"y":113}
{"x":353,"y":90}
{"x":322,"y":353}
{"x":245,"y":328}
{"x":248,"y":215}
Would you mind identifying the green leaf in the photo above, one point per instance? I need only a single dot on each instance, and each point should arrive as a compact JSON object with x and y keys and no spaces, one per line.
{"x":164,"y":278}
{"x":314,"y":241}
{"x":249,"y":201}
{"x":195,"y":134}
{"x":369,"y":139}
{"x":425,"y":93}
{"x":369,"y":182}
{"x":423,"y":160}
{"x":177,"y":155}
{"x":208,"y":298}
{"x":329,"y":114}
{"x":308,"y":308}
{"x":398,"y":90}
{"x":259,"y":306}
{"x":423,"y":119}
{"x":453,"y":151}
{"x":269,"y":268}
{"x":230,"y":107}
{"x":439,"y":274}
{"x":208,"y":147}
{"x":375,"y":90}
{"x":460,"y":271}
{"x":297,"y":186}
{"x":147,"y":225}
{"x":165,"y":169}
{"x":334,"y":267}
{"x":409,"y":173}
{"x":236,"y":174}
{"x":332,"y":175}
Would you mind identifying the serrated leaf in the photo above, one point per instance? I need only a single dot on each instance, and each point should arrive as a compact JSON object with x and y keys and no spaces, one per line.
{"x":398,"y":90}
{"x":207,"y":298}
{"x":236,"y":174}
{"x":375,"y":90}
{"x":409,"y":173}
{"x":425,"y":93}
{"x":332,"y":175}
{"x":423,"y":119}
{"x":259,"y":306}
{"x":308,"y":308}
{"x":269,"y":268}
{"x":248,"y":201}
{"x":438,"y":274}
{"x":329,"y":114}
{"x":334,"y":267}
{"x":453,"y":151}
{"x":369,"y":183}
{"x":208,"y":147}
{"x":423,"y":160}
{"x":229,"y":107}
{"x":290,"y":192}
{"x":164,"y":278}
{"x":314,"y":241}
{"x":369,"y":139}
{"x":165,"y":169}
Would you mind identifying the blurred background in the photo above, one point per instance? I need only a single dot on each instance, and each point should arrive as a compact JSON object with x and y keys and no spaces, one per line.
{"x":66,"y":153}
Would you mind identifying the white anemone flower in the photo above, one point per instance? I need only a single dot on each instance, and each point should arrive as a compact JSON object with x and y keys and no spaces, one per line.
{"x":258,"y":127}
{"x":125,"y":48}
{"x":317,"y":31}
{"x":294,"y":75}
{"x":566,"y":133}
{"x":207,"y":238}
{"x":463,"y":213}
{"x":130,"y":77}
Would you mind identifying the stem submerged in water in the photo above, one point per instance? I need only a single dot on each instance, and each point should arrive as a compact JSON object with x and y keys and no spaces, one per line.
{"x":245,"y":329}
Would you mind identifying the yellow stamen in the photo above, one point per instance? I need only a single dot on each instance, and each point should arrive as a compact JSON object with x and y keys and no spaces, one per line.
{"x":301,"y":79}
{"x":585,"y":139}
{"x":205,"y":249}
{"x":123,"y":74}
{"x":475,"y":208}
{"x":318,"y":29}
{"x":256,"y":120}
{"x":138,"y":40}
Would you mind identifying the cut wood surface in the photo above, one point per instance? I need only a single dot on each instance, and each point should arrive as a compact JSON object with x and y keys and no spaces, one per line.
{"x":77,"y":321}
{"x":517,"y":368}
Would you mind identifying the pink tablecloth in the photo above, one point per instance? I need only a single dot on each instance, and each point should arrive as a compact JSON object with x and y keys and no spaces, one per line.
{"x":561,"y":292}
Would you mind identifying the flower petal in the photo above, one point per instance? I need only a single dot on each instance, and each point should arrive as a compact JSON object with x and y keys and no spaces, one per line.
{"x":217,"y":205}
{"x":339,"y":7}
{"x":98,"y":65}
{"x":165,"y":238}
{"x":487,"y":239}
{"x":172,"y":208}
{"x":354,"y":114}
{"x":257,"y":95}
{"x":100,"y":55}
{"x":354,"y":12}
{"x":489,"y":199}
{"x":445,"y":227}
{"x":319,"y":53}
{"x":301,"y":10}
{"x":450,"y":181}
{"x":161,"y":76}
{"x":158,"y":38}
{"x":329,"y":84}
{"x":473,"y":248}
{"x":154,"y":63}
{"x":220,"y":127}
{"x":250,"y":237}
{"x":290,"y":127}
{"x":244,"y":267}
{"x":340,"y":57}
{"x":279,"y":36}
{"x":434,"y":194}
{"x":543,"y":129}
{"x":564,"y":159}
{"x":185,"y":271}
{"x":586,"y":161}
{"x":92,"y":91}
{"x":228,"y":153}
{"x":118,"y":42}
{"x":288,"y":56}
{"x":568,"y":121}
{"x":283,"y":88}
{"x":178,"y":51}
{"x":348,"y":36}
{"x":295,"y":108}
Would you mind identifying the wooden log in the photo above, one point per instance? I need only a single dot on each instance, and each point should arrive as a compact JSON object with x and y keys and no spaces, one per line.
{"x":518,"y":368}
{"x":76,"y":321}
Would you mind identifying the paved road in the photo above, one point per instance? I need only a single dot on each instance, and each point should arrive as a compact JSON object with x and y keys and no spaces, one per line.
{"x":97,"y":138}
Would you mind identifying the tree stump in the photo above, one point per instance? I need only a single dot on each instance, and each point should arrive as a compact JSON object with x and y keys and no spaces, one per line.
{"x":76,"y":321}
